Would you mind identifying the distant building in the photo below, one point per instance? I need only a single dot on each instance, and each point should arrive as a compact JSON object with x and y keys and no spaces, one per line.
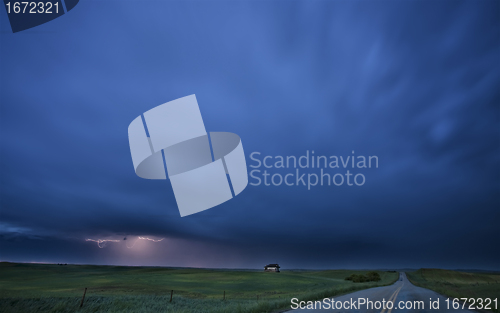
{"x":272,"y":268}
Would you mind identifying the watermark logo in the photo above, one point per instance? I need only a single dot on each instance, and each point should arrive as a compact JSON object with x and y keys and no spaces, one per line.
{"x":310,"y":170}
{"x":205,"y":169}
{"x":27,"y":14}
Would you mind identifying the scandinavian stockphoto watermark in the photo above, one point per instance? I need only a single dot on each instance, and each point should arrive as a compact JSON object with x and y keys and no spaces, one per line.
{"x":309,"y":169}
{"x":205,"y":169}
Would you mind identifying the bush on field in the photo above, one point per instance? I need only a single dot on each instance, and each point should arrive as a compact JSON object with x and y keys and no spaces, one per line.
{"x":371,"y":276}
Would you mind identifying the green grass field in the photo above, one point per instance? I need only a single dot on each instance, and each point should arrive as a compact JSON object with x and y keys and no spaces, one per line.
{"x":53,"y":288}
{"x":458,"y":284}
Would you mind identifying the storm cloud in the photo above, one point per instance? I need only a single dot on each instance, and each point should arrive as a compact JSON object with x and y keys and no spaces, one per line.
{"x":414,"y":83}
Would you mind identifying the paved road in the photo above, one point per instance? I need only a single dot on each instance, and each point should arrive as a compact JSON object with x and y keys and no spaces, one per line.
{"x":402,"y":293}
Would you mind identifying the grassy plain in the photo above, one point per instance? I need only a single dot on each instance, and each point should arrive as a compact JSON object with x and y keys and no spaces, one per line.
{"x":53,"y":288}
{"x":456,"y":284}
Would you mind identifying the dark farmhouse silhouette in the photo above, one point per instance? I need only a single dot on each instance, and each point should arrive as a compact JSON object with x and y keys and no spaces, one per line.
{"x":272,"y":268}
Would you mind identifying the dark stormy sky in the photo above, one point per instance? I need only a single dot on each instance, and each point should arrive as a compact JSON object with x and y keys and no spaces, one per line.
{"x":414,"y":83}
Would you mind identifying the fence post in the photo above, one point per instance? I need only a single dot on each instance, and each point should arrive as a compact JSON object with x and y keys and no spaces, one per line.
{"x":83,"y":298}
{"x":171,"y":294}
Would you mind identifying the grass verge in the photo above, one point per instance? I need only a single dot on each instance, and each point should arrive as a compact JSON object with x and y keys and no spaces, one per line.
{"x":456,"y":284}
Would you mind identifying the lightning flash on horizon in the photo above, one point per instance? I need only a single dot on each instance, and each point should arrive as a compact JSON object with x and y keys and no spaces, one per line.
{"x":101,"y":243}
{"x":143,"y":238}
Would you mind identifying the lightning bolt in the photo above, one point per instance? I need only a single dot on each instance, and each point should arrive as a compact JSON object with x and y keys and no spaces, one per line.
{"x":145,"y":238}
{"x":153,"y":240}
{"x":102,"y":242}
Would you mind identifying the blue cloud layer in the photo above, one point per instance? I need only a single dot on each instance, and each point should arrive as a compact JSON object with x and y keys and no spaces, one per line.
{"x":415,"y":83}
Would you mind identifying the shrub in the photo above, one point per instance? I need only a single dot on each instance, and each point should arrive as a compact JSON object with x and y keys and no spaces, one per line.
{"x":371,"y":276}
